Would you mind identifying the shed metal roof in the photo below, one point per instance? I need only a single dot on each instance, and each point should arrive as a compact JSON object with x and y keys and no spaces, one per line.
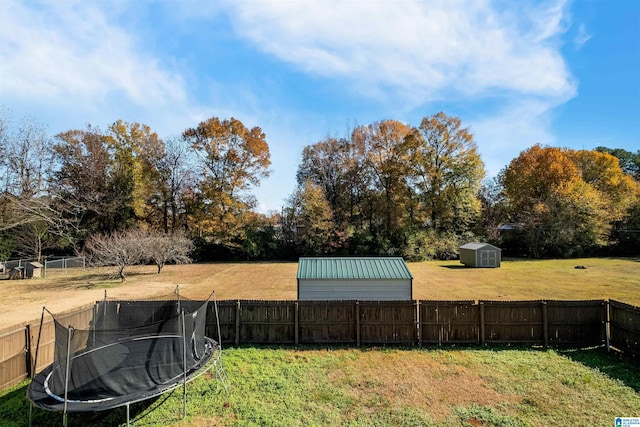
{"x":476,"y":245}
{"x":353,"y":268}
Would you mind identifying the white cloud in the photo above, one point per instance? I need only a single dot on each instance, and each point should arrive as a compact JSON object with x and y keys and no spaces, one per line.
{"x":71,"y":54}
{"x":503,"y":134}
{"x":417,"y":51}
{"x":582,"y":37}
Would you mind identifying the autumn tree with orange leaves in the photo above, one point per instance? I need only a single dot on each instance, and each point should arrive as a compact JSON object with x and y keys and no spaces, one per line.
{"x":232,"y":159}
{"x":565,"y":202}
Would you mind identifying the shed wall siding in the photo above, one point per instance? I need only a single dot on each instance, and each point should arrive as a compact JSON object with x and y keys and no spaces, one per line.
{"x":468,"y":257}
{"x":363,"y":290}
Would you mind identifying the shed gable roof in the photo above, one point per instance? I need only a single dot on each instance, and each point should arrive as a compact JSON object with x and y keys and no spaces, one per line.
{"x":353,"y":268}
{"x":476,"y":245}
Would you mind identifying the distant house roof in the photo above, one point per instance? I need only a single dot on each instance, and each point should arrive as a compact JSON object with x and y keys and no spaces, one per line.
{"x":353,"y":268}
{"x":476,"y":245}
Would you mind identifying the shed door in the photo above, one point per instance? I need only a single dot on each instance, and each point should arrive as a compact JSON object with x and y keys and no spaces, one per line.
{"x":488,"y":258}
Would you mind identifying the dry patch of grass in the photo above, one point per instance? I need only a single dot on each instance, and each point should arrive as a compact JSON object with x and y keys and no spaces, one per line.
{"x":409,"y":379}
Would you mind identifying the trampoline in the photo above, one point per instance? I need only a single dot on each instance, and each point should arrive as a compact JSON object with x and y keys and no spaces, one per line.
{"x":127,"y":352}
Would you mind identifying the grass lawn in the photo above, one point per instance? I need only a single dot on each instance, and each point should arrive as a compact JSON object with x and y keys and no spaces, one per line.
{"x":387,"y":387}
{"x":615,"y":278}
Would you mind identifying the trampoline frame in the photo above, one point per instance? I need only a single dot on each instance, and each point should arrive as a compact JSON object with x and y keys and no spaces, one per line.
{"x":211,"y":357}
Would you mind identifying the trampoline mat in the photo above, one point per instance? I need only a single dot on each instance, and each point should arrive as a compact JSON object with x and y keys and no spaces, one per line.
{"x":118,"y":374}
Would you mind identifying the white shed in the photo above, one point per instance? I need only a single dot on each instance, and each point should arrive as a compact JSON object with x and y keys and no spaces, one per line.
{"x":354,"y":278}
{"x":476,"y":254}
{"x":33,"y":270}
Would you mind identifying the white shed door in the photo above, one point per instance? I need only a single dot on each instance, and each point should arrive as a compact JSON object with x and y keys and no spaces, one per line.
{"x":488,"y":258}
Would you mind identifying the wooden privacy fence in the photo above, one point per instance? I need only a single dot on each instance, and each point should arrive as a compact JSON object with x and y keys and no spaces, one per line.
{"x":575,"y":323}
{"x":18,"y":344}
{"x":566,"y":323}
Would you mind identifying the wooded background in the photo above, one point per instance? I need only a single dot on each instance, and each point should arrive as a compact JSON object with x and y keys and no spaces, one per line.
{"x":385,"y":188}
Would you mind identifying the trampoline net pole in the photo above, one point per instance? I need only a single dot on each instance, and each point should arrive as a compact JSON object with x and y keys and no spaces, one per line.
{"x":66,"y":376}
{"x":177,"y":292}
{"x":215,"y":307}
{"x":35,"y":362}
{"x":93,"y":325}
{"x":104,"y":310}
{"x":184,"y":366}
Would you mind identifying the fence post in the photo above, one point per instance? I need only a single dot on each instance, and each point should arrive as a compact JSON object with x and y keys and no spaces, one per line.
{"x":418,"y":328}
{"x":296,"y":324}
{"x":482,"y":338}
{"x":238,"y":322}
{"x":27,"y":349}
{"x":358,"y":323}
{"x":545,"y":323}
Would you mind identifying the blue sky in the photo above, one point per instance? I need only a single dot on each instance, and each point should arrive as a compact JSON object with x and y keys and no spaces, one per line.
{"x":517,"y":73}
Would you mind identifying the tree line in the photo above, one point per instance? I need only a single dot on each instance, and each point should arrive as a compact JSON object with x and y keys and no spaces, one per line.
{"x":387,"y":188}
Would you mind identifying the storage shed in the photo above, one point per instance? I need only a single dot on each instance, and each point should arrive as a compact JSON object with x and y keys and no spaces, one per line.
{"x":16,"y":273}
{"x":33,"y":270}
{"x":354,"y":278}
{"x":476,"y":254}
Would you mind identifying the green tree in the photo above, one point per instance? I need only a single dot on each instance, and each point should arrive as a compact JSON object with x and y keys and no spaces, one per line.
{"x":232,"y":158}
{"x":386,"y":158}
{"x":308,"y":223}
{"x":338,"y":166}
{"x":83,"y":183}
{"x":446,"y":172}
{"x":327,"y":164}
{"x":137,"y":155}
{"x":629,"y":161}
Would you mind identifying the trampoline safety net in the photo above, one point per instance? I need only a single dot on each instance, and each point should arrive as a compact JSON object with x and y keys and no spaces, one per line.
{"x":127,"y":352}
